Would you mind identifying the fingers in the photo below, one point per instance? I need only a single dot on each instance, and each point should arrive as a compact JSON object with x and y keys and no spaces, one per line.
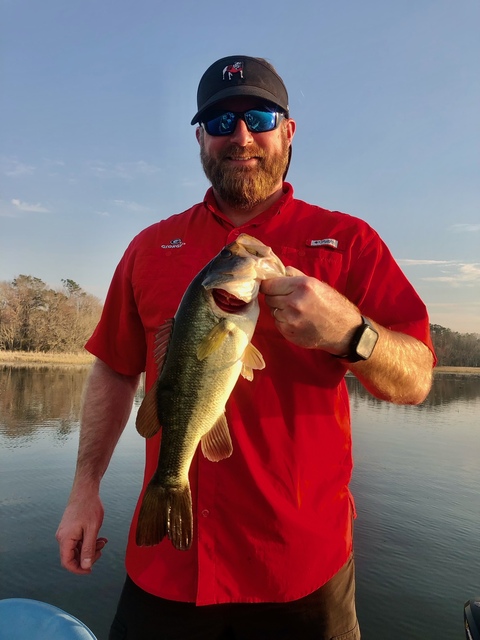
{"x":79,"y":557}
{"x":89,"y":551}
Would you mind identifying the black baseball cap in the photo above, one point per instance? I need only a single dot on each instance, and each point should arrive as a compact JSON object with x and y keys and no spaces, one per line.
{"x":240,"y":76}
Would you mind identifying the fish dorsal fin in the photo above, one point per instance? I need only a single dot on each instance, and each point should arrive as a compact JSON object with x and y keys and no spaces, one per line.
{"x":162,"y":340}
{"x":216,"y":443}
{"x":147,"y":420}
{"x":214,"y":340}
{"x":251,"y":359}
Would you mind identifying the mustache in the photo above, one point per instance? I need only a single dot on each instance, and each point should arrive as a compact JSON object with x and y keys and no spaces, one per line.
{"x":234,"y":152}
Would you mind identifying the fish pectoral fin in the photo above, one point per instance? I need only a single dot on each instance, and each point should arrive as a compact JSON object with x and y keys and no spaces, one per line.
{"x":147,"y":420}
{"x":214,"y":339}
{"x":216,"y":444}
{"x":251,"y":359}
{"x":162,"y":340}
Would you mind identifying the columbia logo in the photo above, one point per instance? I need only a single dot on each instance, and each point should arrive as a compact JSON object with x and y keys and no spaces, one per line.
{"x":174,"y":244}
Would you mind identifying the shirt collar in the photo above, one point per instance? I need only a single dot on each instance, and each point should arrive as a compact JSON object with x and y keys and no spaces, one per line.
{"x":276,"y":208}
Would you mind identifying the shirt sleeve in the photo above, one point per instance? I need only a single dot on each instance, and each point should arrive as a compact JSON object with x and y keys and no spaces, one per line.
{"x":119,"y":338}
{"x":380,"y":289}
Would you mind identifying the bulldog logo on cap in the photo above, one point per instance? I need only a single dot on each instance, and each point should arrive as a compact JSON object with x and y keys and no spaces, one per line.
{"x":230,"y":69}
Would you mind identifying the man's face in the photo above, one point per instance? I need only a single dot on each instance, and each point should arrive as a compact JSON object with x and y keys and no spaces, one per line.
{"x":246,"y":168}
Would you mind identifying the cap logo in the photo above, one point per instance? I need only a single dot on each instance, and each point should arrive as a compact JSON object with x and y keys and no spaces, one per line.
{"x":231,"y":69}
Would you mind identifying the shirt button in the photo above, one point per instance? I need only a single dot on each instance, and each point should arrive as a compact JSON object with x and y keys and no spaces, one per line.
{"x":233,"y":235}
{"x":205,"y":513}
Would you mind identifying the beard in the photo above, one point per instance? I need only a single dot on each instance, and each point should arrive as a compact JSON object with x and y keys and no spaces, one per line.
{"x":245,"y":187}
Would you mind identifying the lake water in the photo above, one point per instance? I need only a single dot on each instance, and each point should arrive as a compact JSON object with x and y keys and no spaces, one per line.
{"x":416,"y":485}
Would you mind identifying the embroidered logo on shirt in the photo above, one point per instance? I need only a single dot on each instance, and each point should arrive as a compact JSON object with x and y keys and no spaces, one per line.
{"x":174,"y":244}
{"x":231,"y":69}
{"x":326,"y":242}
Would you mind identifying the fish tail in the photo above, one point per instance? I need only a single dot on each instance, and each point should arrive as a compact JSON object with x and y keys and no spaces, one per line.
{"x":166,"y":511}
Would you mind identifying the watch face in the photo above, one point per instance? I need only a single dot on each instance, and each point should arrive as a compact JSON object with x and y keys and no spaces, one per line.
{"x":367,"y":343}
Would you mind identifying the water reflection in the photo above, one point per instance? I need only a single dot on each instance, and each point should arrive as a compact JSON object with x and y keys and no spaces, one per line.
{"x":37,"y":398}
{"x":49,"y":397}
{"x":446,"y":389}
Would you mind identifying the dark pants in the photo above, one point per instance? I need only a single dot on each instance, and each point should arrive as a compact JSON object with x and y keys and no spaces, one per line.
{"x":326,"y":614}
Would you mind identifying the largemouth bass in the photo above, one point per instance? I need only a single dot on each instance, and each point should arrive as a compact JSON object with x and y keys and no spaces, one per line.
{"x":200,"y":355}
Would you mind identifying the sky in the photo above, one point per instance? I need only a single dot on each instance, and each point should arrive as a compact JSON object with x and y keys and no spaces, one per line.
{"x":96,"y":98}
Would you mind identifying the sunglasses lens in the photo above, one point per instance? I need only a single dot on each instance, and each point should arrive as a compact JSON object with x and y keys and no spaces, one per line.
{"x":222,"y":125}
{"x":260,"y":121}
{"x":257,"y":122}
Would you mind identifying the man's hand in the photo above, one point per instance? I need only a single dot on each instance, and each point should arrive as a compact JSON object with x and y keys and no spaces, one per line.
{"x":310,"y":313}
{"x":77,"y":535}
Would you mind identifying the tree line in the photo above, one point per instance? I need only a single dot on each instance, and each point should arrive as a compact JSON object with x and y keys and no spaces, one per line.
{"x":455,"y":349}
{"x":34,"y":317}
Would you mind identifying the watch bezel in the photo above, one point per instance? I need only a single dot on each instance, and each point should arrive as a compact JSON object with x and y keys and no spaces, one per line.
{"x":363,"y":342}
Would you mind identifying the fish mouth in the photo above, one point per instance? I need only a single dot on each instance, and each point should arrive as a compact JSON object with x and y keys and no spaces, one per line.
{"x":226,"y":301}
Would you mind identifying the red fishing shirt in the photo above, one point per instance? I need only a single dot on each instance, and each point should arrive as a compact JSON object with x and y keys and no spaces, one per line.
{"x":274,"y":521}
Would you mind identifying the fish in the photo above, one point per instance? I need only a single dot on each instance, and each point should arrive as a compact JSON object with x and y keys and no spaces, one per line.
{"x":200,"y":355}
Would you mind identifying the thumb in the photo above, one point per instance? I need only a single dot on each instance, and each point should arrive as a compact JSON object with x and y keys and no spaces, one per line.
{"x":292,"y":271}
{"x":88,"y":549}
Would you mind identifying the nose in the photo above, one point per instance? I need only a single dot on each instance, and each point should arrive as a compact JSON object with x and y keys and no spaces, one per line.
{"x":241,"y":136}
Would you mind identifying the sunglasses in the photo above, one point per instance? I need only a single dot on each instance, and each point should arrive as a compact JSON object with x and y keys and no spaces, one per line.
{"x":257,"y":121}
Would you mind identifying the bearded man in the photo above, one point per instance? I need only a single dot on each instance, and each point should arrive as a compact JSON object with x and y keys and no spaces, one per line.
{"x":272,"y":554}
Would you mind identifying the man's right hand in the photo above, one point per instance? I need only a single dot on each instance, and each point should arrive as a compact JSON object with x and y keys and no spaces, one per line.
{"x":77,"y":535}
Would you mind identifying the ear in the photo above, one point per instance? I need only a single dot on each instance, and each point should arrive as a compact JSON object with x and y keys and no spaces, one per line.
{"x":291,"y":125}
{"x":199,"y":134}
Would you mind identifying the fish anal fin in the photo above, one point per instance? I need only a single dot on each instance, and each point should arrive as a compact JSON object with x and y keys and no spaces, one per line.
{"x":147,"y":419}
{"x":162,"y":340}
{"x":246,"y":372}
{"x":251,"y":359}
{"x":214,"y":340}
{"x":217,"y":444}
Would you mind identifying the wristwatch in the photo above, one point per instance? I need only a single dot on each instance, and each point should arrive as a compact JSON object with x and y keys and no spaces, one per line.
{"x":363,"y":342}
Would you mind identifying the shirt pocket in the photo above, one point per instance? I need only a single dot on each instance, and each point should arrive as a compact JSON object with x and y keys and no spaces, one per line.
{"x":322,"y":262}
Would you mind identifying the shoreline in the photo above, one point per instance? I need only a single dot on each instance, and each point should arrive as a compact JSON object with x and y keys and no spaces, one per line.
{"x":83,"y":358}
{"x":35,"y":359}
{"x":473,"y":371}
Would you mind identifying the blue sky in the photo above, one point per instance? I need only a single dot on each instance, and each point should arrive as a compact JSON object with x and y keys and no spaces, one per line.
{"x":97,"y":96}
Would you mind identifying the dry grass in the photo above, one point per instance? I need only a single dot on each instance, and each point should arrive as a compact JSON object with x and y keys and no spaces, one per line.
{"x":83,"y":357}
{"x":34,"y":358}
{"x":475,"y":371}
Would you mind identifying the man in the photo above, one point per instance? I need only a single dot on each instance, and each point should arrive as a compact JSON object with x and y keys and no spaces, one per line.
{"x":272,"y":553}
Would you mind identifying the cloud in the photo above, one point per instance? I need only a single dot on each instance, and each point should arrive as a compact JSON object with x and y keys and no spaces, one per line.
{"x":415,"y":263}
{"x":465,"y":228}
{"x":466,"y":274}
{"x":118,"y":207}
{"x":134,"y":207}
{"x":449,"y":271}
{"x":123,"y":170}
{"x":30,"y":208}
{"x":13,"y":168}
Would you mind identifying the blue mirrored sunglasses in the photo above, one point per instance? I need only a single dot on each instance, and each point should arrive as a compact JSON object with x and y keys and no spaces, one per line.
{"x":257,"y":121}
